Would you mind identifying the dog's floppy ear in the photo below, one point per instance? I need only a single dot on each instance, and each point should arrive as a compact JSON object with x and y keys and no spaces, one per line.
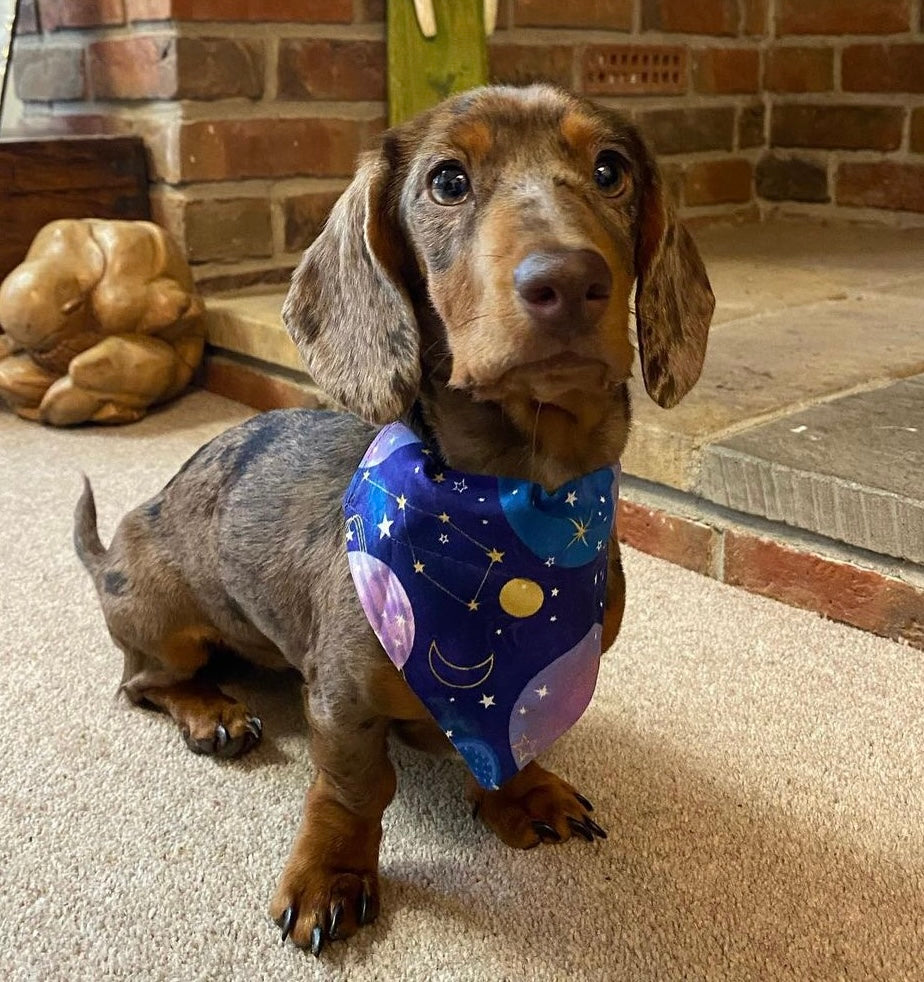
{"x":348,"y":309}
{"x":673,"y":298}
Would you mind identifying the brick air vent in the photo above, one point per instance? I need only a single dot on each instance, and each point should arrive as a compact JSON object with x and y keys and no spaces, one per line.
{"x":620,"y":69}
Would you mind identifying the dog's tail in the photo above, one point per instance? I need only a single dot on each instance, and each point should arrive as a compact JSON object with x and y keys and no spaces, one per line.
{"x":86,"y":537}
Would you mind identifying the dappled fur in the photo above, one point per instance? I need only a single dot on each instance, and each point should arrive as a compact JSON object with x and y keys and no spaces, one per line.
{"x":402,"y":307}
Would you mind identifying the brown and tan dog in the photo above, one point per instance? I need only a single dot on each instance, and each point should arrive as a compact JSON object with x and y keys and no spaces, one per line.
{"x":475,"y":279}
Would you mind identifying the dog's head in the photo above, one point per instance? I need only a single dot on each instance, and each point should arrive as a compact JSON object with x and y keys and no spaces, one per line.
{"x":491,"y":246}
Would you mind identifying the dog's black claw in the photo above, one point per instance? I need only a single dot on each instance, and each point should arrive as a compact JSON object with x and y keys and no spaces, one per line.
{"x":221,"y":736}
{"x":286,"y":920}
{"x":335,"y":920}
{"x":580,"y":830}
{"x":584,"y":802}
{"x":317,"y":941}
{"x":255,"y":726}
{"x":545,"y":831}
{"x":597,"y":831}
{"x":363,"y":912}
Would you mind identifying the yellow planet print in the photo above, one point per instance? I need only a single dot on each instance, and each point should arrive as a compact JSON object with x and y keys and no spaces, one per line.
{"x":520,"y":597}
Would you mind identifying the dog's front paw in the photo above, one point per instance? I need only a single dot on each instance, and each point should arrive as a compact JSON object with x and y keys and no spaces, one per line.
{"x":534,"y":806}
{"x":330,"y":885}
{"x":313,"y":906}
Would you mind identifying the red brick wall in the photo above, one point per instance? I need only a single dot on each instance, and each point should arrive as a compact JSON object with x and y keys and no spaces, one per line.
{"x":844,"y":83}
{"x":254,"y":110}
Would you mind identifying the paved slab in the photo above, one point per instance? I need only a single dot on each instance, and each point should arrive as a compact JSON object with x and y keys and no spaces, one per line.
{"x":772,"y":364}
{"x":776,"y":265}
{"x":912,"y":286}
{"x":252,"y":326}
{"x":851,"y":469}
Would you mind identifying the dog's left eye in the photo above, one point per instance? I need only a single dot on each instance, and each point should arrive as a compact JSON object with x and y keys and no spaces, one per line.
{"x":449,"y":184}
{"x":611,"y":172}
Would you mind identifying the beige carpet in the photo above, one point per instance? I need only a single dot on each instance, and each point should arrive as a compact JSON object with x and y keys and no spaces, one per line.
{"x":760,"y":771}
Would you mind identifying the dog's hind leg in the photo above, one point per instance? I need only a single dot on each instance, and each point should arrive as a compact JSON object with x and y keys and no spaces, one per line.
{"x":210,"y":721}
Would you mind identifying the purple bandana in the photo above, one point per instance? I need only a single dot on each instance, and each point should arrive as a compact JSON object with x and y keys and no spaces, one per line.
{"x":486,"y":593}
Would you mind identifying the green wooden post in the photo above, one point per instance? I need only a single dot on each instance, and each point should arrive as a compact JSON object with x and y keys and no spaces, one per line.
{"x":422,"y":71}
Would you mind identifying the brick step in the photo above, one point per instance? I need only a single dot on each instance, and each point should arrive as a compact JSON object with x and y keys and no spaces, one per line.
{"x":802,"y":446}
{"x":251,"y":358}
{"x":863,"y":589}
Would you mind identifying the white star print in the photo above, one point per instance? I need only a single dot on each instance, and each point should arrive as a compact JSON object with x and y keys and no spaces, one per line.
{"x":602,"y":500}
{"x":444,"y":518}
{"x":459,"y":486}
{"x":571,"y":499}
{"x":554,"y":591}
{"x":416,"y":470}
{"x":486,"y":701}
{"x":599,"y":544}
{"x":402,"y":501}
{"x":384,"y":527}
{"x":523,"y":710}
{"x":418,"y":567}
{"x":444,"y":538}
{"x":439,"y":478}
{"x":543,"y":692}
{"x":523,"y":748}
{"x":550,"y":561}
{"x":449,"y":734}
{"x":553,"y":618}
{"x":366,"y":475}
{"x":349,"y":535}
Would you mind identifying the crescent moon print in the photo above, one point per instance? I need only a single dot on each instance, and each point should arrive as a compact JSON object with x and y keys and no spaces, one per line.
{"x":462,"y":676}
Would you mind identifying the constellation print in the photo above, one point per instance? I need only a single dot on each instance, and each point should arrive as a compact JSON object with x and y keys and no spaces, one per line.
{"x":494,"y":555}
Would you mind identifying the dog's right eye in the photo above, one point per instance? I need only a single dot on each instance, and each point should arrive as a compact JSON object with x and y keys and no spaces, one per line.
{"x":449,"y":184}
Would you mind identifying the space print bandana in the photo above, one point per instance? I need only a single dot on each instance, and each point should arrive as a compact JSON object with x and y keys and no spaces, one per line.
{"x":486,"y":593}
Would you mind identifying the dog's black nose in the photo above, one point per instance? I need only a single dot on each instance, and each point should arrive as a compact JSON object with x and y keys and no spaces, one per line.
{"x":566,"y":290}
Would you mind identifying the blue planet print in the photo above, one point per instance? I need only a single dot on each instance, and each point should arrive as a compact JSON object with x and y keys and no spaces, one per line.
{"x":481,"y":760}
{"x":572,"y":535}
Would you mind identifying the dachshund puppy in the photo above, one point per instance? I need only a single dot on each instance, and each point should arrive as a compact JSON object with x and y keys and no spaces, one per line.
{"x":475,"y":280}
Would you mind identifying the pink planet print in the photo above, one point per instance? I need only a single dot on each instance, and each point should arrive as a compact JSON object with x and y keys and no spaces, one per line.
{"x":555,"y":699}
{"x":388,"y":440}
{"x":386,"y":604}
